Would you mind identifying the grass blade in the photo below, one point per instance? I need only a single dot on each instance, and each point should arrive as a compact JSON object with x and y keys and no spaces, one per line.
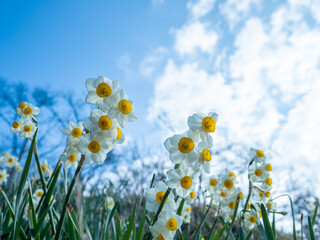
{"x":21,"y":187}
{"x":311,"y":233}
{"x":248,"y":235}
{"x":201,"y":222}
{"x":132,"y":222}
{"x":113,"y":211}
{"x":241,"y":233}
{"x":266,"y":223}
{"x":274,"y":225}
{"x":11,"y":212}
{"x":233,"y":217}
{"x":315,"y":214}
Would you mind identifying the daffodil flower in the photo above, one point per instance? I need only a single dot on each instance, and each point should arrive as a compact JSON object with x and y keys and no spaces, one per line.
{"x":182,"y":147}
{"x":3,"y":176}
{"x":204,"y":125}
{"x":71,"y":158}
{"x":257,"y":155}
{"x":166,"y":226}
{"x":99,"y":122}
{"x":183,"y":179}
{"x":94,"y":147}
{"x":155,"y":195}
{"x":27,"y":111}
{"x":10,"y":161}
{"x":120,"y":107}
{"x":100,"y":89}
{"x":28,"y":129}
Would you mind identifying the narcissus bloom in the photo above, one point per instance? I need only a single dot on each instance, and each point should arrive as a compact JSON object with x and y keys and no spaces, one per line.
{"x":71,"y":158}
{"x":110,"y":202}
{"x":94,"y":147}
{"x":99,"y":122}
{"x":46,"y":168}
{"x":28,"y":129}
{"x":204,"y":125}
{"x":228,"y":180}
{"x":10,"y":161}
{"x":16,"y":126}
{"x":120,"y":107}
{"x":183,"y":179}
{"x":166,"y":226}
{"x":211,"y":184}
{"x":261,"y":196}
{"x":155,"y":195}
{"x":251,"y":219}
{"x":37,"y":195}
{"x":257,"y":155}
{"x":74,"y":131}
{"x":272,"y":205}
{"x":99,"y":89}
{"x":258,"y":172}
{"x":182,"y":146}
{"x":3,"y":176}
{"x":204,"y":157}
{"x":27,"y":111}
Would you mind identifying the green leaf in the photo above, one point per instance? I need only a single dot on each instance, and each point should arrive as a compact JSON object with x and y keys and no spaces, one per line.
{"x":152,"y":181}
{"x":315,"y":214}
{"x":262,"y":232}
{"x":44,"y":232}
{"x":21,"y":186}
{"x":71,"y":227}
{"x":119,"y":229}
{"x":241,"y":233}
{"x":248,"y":235}
{"x":141,"y":224}
{"x":67,"y":199}
{"x":201,"y":222}
{"x":50,"y":190}
{"x":132,"y":222}
{"x":41,"y":220}
{"x":266,"y":223}
{"x":11,"y":213}
{"x":33,"y":215}
{"x":233,"y":217}
{"x":161,"y":206}
{"x":86,"y":227}
{"x":110,"y":216}
{"x":274,"y":225}
{"x":311,"y":233}
{"x":218,"y":237}
{"x":211,"y":233}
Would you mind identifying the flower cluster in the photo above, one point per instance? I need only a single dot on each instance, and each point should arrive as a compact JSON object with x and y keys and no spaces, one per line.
{"x":7,"y":161}
{"x":102,"y":131}
{"x":191,"y":153}
{"x":27,"y":124}
{"x":224,"y":192}
{"x":260,"y":175}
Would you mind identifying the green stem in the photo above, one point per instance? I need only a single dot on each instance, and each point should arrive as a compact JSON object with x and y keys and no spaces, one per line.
{"x":43,"y":183}
{"x":248,"y":198}
{"x":63,"y":213}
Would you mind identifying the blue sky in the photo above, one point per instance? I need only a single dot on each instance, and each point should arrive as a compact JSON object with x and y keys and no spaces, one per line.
{"x":59,"y":44}
{"x":255,"y":62}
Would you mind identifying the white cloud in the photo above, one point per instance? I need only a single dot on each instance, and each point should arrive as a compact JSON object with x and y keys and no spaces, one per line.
{"x":152,"y":61}
{"x":235,"y":10}
{"x":195,"y":36}
{"x":200,"y":8}
{"x":268,"y":91}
